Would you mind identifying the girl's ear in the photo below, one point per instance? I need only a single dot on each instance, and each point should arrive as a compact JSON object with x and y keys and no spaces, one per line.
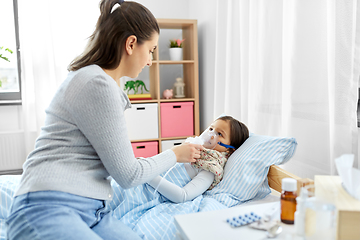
{"x":130,"y":44}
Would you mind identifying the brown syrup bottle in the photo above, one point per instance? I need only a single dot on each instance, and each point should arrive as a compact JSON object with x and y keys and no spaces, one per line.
{"x":288,"y":200}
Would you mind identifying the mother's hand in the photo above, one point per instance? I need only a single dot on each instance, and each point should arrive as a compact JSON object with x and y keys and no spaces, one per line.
{"x":187,"y":152}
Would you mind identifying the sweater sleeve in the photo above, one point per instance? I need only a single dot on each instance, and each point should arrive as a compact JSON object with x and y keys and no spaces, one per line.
{"x":98,"y":111}
{"x":197,"y":186}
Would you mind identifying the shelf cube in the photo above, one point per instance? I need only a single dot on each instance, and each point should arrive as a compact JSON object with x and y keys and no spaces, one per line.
{"x":142,"y":121}
{"x":145,"y":149}
{"x":177,"y":119}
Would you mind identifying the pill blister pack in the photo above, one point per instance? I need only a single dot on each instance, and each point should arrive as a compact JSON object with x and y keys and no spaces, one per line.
{"x":243,"y":220}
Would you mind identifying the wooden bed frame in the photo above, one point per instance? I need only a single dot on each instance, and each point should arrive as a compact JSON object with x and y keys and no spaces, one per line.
{"x":276,"y":174}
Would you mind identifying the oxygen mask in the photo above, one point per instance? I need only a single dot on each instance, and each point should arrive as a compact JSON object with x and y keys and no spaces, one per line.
{"x":210,"y":138}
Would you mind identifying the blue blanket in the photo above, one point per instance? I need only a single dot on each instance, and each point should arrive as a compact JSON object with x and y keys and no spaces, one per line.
{"x":150,"y":214}
{"x":143,"y":209}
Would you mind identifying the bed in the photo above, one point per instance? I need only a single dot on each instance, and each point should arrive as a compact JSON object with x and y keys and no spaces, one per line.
{"x":251,"y":174}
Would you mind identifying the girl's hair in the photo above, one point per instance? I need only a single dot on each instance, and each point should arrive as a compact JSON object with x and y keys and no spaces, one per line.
{"x":107,"y":43}
{"x":238,"y":132}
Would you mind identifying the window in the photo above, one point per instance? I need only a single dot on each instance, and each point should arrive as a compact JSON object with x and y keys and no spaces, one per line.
{"x":10,"y":87}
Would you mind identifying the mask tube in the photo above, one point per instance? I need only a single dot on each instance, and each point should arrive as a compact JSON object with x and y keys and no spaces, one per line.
{"x":225,"y":145}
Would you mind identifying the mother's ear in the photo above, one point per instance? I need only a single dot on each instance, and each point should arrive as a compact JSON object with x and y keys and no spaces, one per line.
{"x":130,"y":44}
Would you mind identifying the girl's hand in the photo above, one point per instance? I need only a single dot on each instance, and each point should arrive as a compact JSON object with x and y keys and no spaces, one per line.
{"x":187,"y":152}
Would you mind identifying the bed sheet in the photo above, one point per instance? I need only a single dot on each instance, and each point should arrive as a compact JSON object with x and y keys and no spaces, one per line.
{"x":8,"y":184}
{"x":143,"y":209}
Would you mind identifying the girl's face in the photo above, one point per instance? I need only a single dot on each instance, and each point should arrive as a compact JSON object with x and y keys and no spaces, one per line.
{"x":223,"y":129}
{"x":141,"y":56}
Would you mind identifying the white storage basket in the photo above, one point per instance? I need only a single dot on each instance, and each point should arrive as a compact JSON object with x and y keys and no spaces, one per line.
{"x":142,"y":121}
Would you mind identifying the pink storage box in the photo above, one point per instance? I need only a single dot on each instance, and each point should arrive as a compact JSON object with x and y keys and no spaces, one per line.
{"x":177,"y":119}
{"x":145,"y":149}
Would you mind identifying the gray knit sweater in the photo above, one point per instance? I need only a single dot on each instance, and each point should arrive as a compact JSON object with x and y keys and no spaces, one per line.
{"x":84,"y":141}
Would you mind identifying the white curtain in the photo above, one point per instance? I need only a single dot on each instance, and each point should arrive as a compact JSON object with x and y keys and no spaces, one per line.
{"x":52,"y":33}
{"x":291,"y":68}
{"x":284,"y":67}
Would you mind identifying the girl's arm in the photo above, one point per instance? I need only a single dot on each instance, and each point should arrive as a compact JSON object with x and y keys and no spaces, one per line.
{"x":197,"y":186}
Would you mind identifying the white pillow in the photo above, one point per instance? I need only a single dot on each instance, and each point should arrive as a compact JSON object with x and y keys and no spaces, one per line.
{"x":245,"y":173}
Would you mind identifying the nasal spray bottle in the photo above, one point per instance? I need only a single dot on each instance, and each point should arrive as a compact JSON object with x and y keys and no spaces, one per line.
{"x":299,"y":218}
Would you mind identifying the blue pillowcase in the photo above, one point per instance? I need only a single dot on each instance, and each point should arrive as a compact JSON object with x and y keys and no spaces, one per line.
{"x":245,"y":173}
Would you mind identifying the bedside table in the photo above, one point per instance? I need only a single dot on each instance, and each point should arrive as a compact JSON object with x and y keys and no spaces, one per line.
{"x":212,"y":225}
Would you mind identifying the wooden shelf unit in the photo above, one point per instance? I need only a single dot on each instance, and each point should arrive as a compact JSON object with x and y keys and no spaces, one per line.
{"x":190,"y":73}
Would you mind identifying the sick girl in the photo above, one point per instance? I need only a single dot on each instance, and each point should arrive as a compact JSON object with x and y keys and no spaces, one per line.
{"x":220,"y":140}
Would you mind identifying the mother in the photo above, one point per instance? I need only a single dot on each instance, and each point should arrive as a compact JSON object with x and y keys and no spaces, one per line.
{"x":84,"y":140}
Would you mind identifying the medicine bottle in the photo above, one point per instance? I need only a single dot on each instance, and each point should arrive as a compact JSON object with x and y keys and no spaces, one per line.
{"x":288,"y":200}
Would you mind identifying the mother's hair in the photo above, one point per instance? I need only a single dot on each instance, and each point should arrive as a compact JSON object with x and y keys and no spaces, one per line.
{"x":106,"y":45}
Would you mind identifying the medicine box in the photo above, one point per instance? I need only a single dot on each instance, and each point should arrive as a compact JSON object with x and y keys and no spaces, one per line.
{"x":142,"y":121}
{"x":168,"y":144}
{"x":145,"y":149}
{"x":177,"y":119}
{"x":348,"y":207}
